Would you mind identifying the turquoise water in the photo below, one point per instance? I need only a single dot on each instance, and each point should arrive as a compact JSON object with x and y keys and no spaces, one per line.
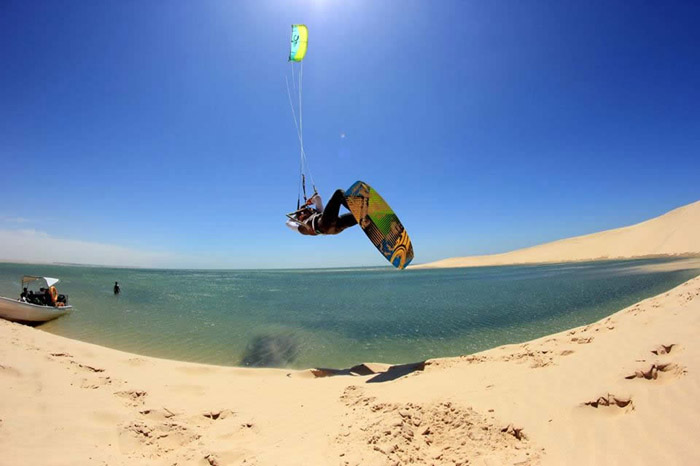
{"x":338,"y":318}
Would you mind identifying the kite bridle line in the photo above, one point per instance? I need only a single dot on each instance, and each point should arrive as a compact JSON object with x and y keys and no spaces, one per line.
{"x":303,"y":162}
{"x":296,"y":125}
{"x":305,"y":166}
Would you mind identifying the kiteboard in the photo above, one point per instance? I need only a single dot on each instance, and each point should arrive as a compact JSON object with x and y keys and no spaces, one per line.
{"x":380,"y":224}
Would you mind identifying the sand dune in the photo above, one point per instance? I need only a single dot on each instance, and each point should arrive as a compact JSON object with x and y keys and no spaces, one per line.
{"x":624,"y":390}
{"x":674,"y":233}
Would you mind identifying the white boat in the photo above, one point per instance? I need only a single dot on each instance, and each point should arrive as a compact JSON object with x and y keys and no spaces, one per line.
{"x":25,"y":312}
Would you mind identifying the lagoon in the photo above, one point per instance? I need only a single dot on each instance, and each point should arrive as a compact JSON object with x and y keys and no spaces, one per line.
{"x":340,"y":317}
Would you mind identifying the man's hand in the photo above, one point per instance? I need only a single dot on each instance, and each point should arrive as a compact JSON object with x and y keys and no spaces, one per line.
{"x":310,"y":200}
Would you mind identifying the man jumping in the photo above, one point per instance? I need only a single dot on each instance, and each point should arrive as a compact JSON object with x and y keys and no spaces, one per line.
{"x":313,"y":219}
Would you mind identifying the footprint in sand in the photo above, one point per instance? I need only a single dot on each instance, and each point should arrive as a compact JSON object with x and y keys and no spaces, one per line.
{"x":132,"y":397}
{"x":70,"y":360}
{"x":158,"y":438}
{"x":612,"y":401}
{"x":89,"y":368}
{"x":218,"y":415}
{"x":157,"y":414}
{"x":93,"y":384}
{"x":536,"y":358}
{"x":582,"y":341}
{"x":652,"y":373}
{"x":354,"y":396}
{"x":516,"y":432}
{"x":663,"y":349}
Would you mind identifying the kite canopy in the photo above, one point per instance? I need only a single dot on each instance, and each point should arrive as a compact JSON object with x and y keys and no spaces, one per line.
{"x":298,"y":43}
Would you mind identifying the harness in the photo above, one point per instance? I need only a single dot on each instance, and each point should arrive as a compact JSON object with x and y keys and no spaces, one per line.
{"x":313,"y":221}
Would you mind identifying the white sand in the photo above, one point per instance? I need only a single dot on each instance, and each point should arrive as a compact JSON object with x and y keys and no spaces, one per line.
{"x":674,"y":233}
{"x":64,"y":402}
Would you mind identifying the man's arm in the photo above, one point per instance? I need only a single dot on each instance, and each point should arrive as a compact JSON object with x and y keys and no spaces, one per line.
{"x":302,"y":228}
{"x":305,"y":229}
{"x":318,"y":203}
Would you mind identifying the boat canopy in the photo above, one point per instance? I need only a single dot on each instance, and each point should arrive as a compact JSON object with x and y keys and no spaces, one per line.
{"x":27,"y":279}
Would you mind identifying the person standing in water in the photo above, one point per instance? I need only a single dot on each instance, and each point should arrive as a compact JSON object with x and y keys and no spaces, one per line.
{"x":117,"y":290}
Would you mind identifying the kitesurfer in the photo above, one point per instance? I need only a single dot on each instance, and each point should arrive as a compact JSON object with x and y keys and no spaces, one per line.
{"x":313,"y":219}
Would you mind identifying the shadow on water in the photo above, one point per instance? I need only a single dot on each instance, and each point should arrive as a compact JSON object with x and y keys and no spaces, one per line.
{"x":274,"y":350}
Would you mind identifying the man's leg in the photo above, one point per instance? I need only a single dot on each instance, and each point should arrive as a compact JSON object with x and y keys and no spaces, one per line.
{"x":330,"y":212}
{"x":345,"y":221}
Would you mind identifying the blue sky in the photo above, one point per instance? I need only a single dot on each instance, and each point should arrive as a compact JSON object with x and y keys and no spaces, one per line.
{"x":159,"y":133}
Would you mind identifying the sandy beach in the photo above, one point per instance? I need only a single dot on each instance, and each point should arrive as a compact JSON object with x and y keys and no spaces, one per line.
{"x":675,"y":233}
{"x":624,"y":390}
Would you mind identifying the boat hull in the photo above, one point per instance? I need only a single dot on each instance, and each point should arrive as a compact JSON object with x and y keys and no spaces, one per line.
{"x":18,"y":311}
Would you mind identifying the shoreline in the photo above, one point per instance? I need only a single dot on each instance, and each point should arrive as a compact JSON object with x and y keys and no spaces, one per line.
{"x":424,"y":266}
{"x":572,"y":397}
